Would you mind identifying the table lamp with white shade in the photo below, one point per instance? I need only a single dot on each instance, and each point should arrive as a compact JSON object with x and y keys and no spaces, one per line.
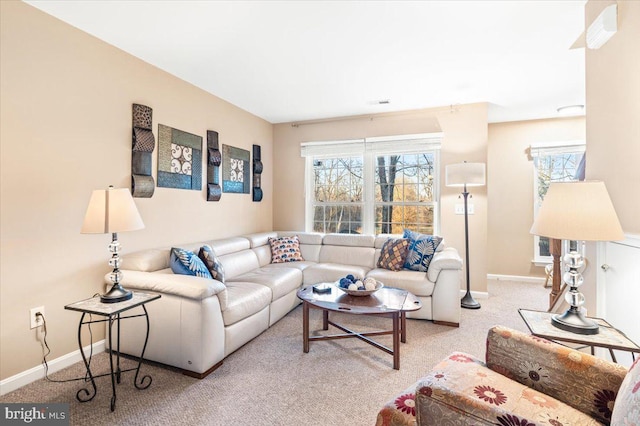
{"x":112,"y":211}
{"x":580,"y":211}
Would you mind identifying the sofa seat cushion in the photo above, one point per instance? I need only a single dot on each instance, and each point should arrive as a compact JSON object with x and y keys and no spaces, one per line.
{"x":412,"y":281}
{"x":331,"y":272}
{"x":281,"y":281}
{"x":461,"y":390}
{"x":302,"y":265}
{"x":243,"y":299}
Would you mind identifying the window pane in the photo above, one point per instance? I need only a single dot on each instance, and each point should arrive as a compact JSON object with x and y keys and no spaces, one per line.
{"x":400,"y":179}
{"x":411,"y":192}
{"x":402,"y":186}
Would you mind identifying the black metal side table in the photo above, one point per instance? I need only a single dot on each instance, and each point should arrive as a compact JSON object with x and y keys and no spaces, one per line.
{"x":112,"y":313}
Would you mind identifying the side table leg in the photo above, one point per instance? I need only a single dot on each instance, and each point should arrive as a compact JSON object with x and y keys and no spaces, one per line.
{"x":141,"y":385}
{"x":396,"y":340}
{"x":305,"y":327}
{"x":118,"y":371}
{"x":84,"y":395}
{"x":113,"y":374}
{"x":325,"y":319}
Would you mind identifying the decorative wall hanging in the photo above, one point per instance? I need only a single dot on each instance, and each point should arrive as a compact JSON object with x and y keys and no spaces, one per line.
{"x":235,"y":170}
{"x":179,"y":159}
{"x":142,"y":184}
{"x":257,"y":172}
{"x":214,"y":159}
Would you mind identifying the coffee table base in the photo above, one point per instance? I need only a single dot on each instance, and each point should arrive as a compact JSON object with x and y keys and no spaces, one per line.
{"x":398,"y":319}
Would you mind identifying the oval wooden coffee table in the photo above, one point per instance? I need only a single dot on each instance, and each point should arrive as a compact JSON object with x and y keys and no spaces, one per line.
{"x":388,"y":301}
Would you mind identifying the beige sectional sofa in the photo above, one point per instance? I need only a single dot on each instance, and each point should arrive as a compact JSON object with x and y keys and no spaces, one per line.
{"x":200,"y":321}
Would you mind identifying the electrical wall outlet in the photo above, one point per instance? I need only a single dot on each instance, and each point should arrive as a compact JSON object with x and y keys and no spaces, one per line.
{"x":36,"y":320}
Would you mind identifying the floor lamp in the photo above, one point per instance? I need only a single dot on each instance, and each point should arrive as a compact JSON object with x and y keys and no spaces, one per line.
{"x":579,"y":211}
{"x":464,"y":175}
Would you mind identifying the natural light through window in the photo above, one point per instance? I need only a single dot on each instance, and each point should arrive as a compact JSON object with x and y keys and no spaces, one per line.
{"x":374,"y":185}
{"x":554,"y":162}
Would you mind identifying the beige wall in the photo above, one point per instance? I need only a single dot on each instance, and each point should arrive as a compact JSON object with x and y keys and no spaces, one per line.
{"x":465,"y":138}
{"x":66,"y":130}
{"x":613,"y":144}
{"x":510,"y":189}
{"x":613,"y":112}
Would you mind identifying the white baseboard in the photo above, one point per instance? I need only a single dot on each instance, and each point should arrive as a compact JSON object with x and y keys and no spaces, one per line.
{"x":475,"y":294}
{"x":526,"y":279}
{"x":21,"y":379}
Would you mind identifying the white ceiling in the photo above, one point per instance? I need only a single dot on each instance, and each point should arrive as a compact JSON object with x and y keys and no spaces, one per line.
{"x":289,"y":61}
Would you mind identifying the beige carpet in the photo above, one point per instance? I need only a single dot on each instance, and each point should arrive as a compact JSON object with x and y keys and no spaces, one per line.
{"x":270,"y":381}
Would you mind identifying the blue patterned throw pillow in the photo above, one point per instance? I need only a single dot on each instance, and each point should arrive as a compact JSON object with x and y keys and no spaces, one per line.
{"x":211,"y":261}
{"x":185,"y":262}
{"x":421,"y":250}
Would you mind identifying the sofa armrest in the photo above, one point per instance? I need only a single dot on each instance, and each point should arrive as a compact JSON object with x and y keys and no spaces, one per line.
{"x":587,"y":383}
{"x":445,"y":259}
{"x":180,"y":285}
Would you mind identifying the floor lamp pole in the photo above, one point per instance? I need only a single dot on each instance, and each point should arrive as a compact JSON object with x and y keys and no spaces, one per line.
{"x":467,"y":301}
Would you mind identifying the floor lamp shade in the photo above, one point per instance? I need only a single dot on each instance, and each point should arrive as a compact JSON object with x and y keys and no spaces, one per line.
{"x":465,"y":175}
{"x":579,"y":211}
{"x":111,"y":211}
{"x":469,"y":174}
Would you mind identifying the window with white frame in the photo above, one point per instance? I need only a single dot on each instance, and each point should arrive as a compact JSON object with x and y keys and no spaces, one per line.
{"x":373,"y":185}
{"x":554,"y":162}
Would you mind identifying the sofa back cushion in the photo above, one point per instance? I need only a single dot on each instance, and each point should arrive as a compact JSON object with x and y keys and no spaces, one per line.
{"x":310,"y":243}
{"x":239,"y":263}
{"x":348,"y":249}
{"x":259,"y":243}
{"x":626,"y":410}
{"x":586,"y":383}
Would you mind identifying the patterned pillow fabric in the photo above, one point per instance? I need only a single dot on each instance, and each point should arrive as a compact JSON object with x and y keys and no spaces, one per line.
{"x":211,"y":261}
{"x":626,"y":410}
{"x":421,"y":250}
{"x":285,"y":249}
{"x":185,"y":262}
{"x":393,"y":254}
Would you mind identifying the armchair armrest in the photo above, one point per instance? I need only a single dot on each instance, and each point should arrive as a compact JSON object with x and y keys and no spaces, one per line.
{"x":445,"y":259}
{"x":180,"y":285}
{"x":587,"y":383}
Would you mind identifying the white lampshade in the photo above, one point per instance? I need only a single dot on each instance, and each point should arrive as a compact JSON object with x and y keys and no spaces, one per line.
{"x":578,"y":211}
{"x":111,"y":210}
{"x":461,"y":174}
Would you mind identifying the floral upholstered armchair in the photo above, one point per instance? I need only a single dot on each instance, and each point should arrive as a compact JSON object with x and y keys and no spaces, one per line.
{"x":526,"y":381}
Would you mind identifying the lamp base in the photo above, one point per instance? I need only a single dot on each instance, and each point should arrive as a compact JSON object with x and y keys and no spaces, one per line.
{"x":469,"y":302}
{"x":116,"y":294}
{"x":575,"y":322}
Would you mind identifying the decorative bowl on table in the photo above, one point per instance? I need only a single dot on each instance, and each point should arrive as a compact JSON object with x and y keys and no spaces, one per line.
{"x":355,"y":286}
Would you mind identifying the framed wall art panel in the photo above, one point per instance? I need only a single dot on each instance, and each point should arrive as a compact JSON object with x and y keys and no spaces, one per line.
{"x":179,"y":159}
{"x":236,"y":170}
